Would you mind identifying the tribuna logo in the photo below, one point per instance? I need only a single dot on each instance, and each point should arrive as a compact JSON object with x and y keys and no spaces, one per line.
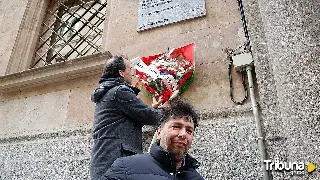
{"x":283,"y":166}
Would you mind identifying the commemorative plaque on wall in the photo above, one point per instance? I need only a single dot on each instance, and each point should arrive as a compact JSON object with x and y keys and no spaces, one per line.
{"x":155,"y":13}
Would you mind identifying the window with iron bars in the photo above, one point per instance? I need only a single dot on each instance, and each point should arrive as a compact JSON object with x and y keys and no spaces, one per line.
{"x":71,"y":29}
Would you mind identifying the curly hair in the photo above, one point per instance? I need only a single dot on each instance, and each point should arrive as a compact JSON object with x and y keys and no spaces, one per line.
{"x":180,"y":107}
{"x":113,"y":65}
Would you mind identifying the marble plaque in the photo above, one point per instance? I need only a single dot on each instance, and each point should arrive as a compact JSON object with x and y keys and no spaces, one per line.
{"x":155,"y":13}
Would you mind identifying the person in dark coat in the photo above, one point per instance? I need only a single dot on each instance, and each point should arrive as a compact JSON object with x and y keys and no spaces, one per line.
{"x":118,"y":117}
{"x":168,"y":157}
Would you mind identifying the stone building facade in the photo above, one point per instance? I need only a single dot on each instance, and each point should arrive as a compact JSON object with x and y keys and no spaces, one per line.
{"x":46,"y":113}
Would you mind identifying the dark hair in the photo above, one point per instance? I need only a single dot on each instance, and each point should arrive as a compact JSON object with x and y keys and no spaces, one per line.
{"x":113,"y":65}
{"x":180,"y":107}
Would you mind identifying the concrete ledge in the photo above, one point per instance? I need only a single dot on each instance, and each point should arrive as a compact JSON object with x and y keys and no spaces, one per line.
{"x":234,"y":111}
{"x":74,"y":68}
{"x":45,"y":136}
{"x":206,"y":117}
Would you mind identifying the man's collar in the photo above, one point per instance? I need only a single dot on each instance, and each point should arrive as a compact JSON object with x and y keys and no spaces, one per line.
{"x":136,"y":90}
{"x":118,"y":81}
{"x":167,"y":159}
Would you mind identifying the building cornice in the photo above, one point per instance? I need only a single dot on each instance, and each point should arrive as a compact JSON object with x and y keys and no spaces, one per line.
{"x":66,"y":70}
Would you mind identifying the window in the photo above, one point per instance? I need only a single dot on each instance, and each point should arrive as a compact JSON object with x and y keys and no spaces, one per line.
{"x":71,"y":28}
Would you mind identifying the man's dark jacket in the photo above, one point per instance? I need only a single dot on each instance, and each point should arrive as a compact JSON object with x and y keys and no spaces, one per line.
{"x":158,"y":165}
{"x":118,"y":119}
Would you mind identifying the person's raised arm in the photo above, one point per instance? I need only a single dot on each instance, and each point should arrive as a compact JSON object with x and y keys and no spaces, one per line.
{"x":134,"y":108}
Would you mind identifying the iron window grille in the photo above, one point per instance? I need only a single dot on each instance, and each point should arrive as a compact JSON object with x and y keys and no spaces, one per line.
{"x":71,"y":28}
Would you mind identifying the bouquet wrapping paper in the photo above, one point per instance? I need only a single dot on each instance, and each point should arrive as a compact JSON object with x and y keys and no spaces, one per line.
{"x":165,"y":73}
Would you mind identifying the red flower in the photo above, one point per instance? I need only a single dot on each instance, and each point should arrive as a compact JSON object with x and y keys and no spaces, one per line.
{"x":169,"y":71}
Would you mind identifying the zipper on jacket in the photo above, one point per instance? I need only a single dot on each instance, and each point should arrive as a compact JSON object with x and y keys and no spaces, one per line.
{"x":173,"y":176}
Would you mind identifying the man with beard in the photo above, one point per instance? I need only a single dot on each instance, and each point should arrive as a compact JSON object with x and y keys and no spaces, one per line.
{"x":168,"y":157}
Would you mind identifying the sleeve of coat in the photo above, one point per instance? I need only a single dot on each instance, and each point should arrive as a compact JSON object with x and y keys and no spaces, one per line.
{"x":117,"y":171}
{"x":134,"y":108}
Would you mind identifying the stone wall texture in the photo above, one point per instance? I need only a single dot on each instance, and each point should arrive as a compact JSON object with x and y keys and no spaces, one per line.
{"x":285,"y":38}
{"x":45,"y":128}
